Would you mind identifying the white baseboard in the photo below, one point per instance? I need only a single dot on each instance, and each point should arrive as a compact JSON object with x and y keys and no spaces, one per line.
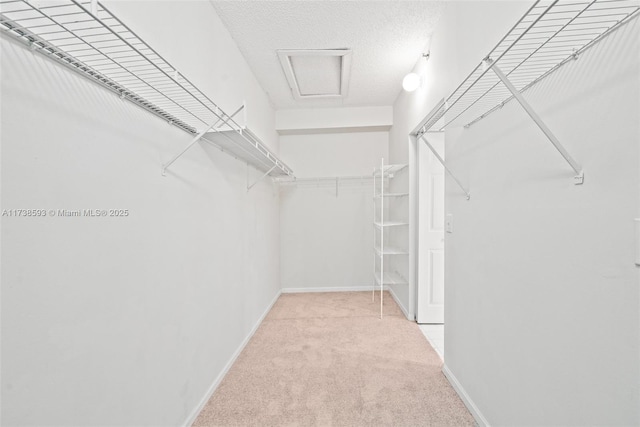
{"x":480,"y":419}
{"x":397,"y":300}
{"x":194,"y":414}
{"x":328,"y":289}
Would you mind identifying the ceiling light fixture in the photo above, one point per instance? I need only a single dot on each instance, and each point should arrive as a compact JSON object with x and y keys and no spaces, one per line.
{"x":413,"y":81}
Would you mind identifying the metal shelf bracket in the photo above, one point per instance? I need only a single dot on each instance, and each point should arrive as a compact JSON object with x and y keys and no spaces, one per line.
{"x":578,"y":179}
{"x":191,"y":144}
{"x":249,"y":187}
{"x":441,"y":160}
{"x":197,"y":138}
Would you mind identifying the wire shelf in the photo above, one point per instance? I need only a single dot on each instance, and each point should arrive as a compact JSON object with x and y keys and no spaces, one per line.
{"x":390,"y":250}
{"x":388,"y":171}
{"x":392,"y":278}
{"x":388,"y":223}
{"x":244,"y":144}
{"x":385,"y":195}
{"x":551,"y":33}
{"x":86,"y":37}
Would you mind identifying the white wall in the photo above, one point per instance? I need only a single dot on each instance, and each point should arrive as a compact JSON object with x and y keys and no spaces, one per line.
{"x":453,"y":54}
{"x":327,"y":241}
{"x":542,"y":300}
{"x":559,"y":271}
{"x":126,"y":321}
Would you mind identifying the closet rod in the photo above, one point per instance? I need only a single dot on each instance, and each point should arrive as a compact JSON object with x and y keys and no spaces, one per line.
{"x":286,"y":181}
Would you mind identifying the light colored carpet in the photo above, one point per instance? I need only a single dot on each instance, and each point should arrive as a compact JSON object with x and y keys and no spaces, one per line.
{"x":326,"y":359}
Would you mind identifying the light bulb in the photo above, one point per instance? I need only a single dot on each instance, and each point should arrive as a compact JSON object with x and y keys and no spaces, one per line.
{"x":411,"y":82}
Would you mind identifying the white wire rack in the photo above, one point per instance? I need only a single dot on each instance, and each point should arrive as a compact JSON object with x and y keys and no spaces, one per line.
{"x":383,"y":226}
{"x":551,"y":33}
{"x":390,"y":278}
{"x":388,"y":171}
{"x":244,"y":144}
{"x":87,"y":38}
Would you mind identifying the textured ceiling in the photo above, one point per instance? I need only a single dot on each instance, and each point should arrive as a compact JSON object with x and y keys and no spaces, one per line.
{"x":387,"y":38}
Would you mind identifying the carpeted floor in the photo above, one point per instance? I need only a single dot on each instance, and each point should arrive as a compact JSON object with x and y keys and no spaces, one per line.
{"x":327,"y":359}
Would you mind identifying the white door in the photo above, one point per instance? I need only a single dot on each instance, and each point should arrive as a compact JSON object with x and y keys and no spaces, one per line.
{"x":430,"y":295}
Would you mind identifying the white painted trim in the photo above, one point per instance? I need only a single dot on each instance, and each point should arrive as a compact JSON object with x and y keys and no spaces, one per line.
{"x":366,"y":288}
{"x":397,"y":300}
{"x":216,"y":382}
{"x":471,"y":406}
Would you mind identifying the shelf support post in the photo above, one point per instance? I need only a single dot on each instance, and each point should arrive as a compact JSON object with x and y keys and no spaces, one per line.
{"x":441,"y":160}
{"x":249,"y":187}
{"x":381,"y":235}
{"x":375,"y":255}
{"x":579,"y":177}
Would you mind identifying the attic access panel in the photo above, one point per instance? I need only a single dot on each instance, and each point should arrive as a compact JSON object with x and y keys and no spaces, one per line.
{"x":316,"y":73}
